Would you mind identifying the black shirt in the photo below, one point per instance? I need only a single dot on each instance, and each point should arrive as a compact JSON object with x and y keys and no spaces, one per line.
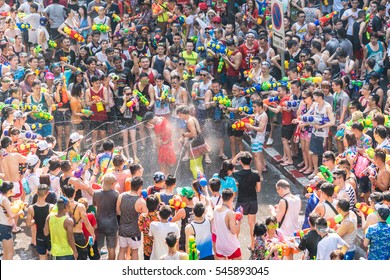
{"x":309,"y":242}
{"x":125,"y":78}
{"x":247,"y":180}
{"x":71,"y":55}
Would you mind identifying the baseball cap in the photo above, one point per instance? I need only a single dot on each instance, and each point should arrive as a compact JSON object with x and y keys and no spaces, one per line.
{"x":74,"y":137}
{"x":42,"y":145}
{"x":186,"y":192}
{"x":19,"y":115}
{"x":158,"y":177}
{"x":217,"y":19}
{"x":383,"y":211}
{"x":54,"y":65}
{"x":375,"y":75}
{"x":203,"y":6}
{"x":32,"y":160}
{"x":49,"y":76}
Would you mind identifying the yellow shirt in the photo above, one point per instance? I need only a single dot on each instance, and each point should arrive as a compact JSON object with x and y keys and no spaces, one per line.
{"x":59,"y":238}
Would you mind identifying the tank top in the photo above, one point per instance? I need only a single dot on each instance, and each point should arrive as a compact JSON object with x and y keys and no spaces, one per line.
{"x":230,"y":70}
{"x":98,"y":116}
{"x":184,"y":222}
{"x":286,"y":115}
{"x":128,"y":224}
{"x":328,"y":211}
{"x":377,"y":55}
{"x":322,"y":132}
{"x":40,"y":215}
{"x":159,"y":64}
{"x":203,"y":238}
{"x":202,"y":91}
{"x":191,"y":59}
{"x":227,"y":243}
{"x":4,"y":220}
{"x":321,"y":65}
{"x":161,"y":108}
{"x":59,"y":238}
{"x":350,"y":237}
{"x":142,"y":107}
{"x":290,"y":223}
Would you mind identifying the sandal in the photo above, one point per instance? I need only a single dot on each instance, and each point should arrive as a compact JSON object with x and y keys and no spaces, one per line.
{"x":302,"y":164}
{"x":286,"y":163}
{"x":18,"y":229}
{"x":223,"y":157}
{"x":208,"y":161}
{"x":302,"y":170}
{"x":307,"y":172}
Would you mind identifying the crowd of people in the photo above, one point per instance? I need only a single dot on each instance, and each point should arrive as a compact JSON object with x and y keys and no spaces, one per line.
{"x":170,"y":78}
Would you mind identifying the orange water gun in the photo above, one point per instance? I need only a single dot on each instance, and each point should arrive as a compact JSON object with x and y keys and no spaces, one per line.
{"x":73,"y":34}
{"x":64,"y":91}
{"x":176,"y":203}
{"x":156,"y":8}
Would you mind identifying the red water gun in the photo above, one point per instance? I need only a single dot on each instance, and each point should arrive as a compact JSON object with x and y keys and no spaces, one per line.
{"x":176,"y":203}
{"x":24,"y":149}
{"x":130,"y":104}
{"x":301,"y":233}
{"x":239,"y":213}
{"x":332,"y":222}
{"x":240,"y":124}
{"x":73,"y":34}
{"x":323,"y":20}
{"x":56,"y":106}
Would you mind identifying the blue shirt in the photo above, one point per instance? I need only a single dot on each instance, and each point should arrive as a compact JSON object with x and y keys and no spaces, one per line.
{"x":379,"y":236}
{"x":311,"y":204}
{"x":228,"y":182}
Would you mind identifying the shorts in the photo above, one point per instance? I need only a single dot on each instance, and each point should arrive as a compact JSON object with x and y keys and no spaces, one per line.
{"x":305,"y":135}
{"x":288,"y":131}
{"x":80,"y":241}
{"x":230,"y":81}
{"x":234,"y":132}
{"x":132,"y":242}
{"x":64,"y":258}
{"x":128,"y":124}
{"x":110,"y":240}
{"x":5,"y":232}
{"x":364,"y":184}
{"x":201,"y":116}
{"x":257,"y":146}
{"x":79,"y":126}
{"x":219,"y":129}
{"x":317,"y":145}
{"x":62,"y":118}
{"x":358,"y":53}
{"x":43,"y":245}
{"x":235,"y":255}
{"x":46,"y":130}
{"x":18,"y":189}
{"x":249,"y":208}
{"x":98,"y":125}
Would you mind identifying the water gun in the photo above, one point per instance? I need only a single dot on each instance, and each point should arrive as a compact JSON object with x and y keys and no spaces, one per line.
{"x":28,"y":135}
{"x":104,"y":28}
{"x":73,"y":34}
{"x":301,"y":233}
{"x":37,"y":50}
{"x":141,"y":97}
{"x":240,"y":124}
{"x":64,"y":91}
{"x":116,"y":18}
{"x":325,"y":173}
{"x":99,"y":103}
{"x":87,"y":112}
{"x":17,"y":206}
{"x":23,"y":26}
{"x":36,"y":126}
{"x":357,"y":84}
{"x":80,"y":168}
{"x":217,"y":48}
{"x":340,"y":134}
{"x":194,"y":39}
{"x":185,"y":75}
{"x":156,"y":8}
{"x":221,"y":63}
{"x":144,"y":194}
{"x":2,"y":105}
{"x":323,"y":20}
{"x":370,"y":152}
{"x":114,"y":77}
{"x":90,"y":242}
{"x":367,"y":123}
{"x":130,"y":104}
{"x":52,"y":44}
{"x":201,"y":178}
{"x":191,"y":70}
{"x":292,"y":105}
{"x":192,"y":250}
{"x":246,"y":109}
{"x":25,"y":107}
{"x":332,"y":222}
{"x":314,"y":119}
{"x":194,"y":93}
{"x":271,"y":100}
{"x":316,"y":80}
{"x":200,"y":48}
{"x":155,"y":41}
{"x":43,"y":115}
{"x":24,"y":149}
{"x":239,"y":213}
{"x":364,"y":208}
{"x":262,"y":7}
{"x":225,"y":102}
{"x":176,"y":203}
{"x":266,"y":86}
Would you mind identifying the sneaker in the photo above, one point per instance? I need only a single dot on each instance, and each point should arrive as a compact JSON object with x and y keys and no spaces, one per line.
{"x":311,"y":176}
{"x":270,"y":142}
{"x":103,"y":252}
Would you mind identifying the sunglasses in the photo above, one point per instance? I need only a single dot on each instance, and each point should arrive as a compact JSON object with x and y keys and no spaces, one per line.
{"x":175,"y":61}
{"x":99,"y":64}
{"x":203,"y":75}
{"x":182,"y":64}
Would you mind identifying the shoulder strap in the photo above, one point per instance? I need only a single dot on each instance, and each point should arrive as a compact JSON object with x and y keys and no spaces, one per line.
{"x":285,"y":212}
{"x":332,"y":207}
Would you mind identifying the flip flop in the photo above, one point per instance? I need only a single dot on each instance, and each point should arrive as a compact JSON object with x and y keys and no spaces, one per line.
{"x":302,"y":170}
{"x":307,"y":172}
{"x":208,"y":161}
{"x":223,"y":157}
{"x":286,"y":163}
{"x":302,"y":164}
{"x":18,"y":229}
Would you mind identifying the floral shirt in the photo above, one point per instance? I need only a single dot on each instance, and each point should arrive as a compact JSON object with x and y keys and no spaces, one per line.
{"x":364,"y":142}
{"x":259,"y":250}
{"x":144,"y":221}
{"x":379,"y":235}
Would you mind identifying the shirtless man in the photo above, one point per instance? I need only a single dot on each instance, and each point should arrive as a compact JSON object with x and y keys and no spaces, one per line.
{"x":9,"y":166}
{"x":79,"y":215}
{"x":382,"y":180}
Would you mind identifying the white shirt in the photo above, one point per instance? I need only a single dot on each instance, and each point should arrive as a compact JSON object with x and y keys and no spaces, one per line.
{"x":348,"y":13}
{"x":159,"y":231}
{"x":328,"y":244}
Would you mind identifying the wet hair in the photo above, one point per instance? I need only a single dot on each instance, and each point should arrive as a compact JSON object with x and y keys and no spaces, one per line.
{"x":54,"y":164}
{"x":329,"y":155}
{"x":152,"y":203}
{"x":227,"y":194}
{"x":65,"y":166}
{"x":6,"y":187}
{"x":381,"y":131}
{"x":343,"y":204}
{"x":380,"y":154}
{"x":226,"y":166}
{"x":246,"y":158}
{"x":108,"y":145}
{"x":260,"y":229}
{"x":183,"y":109}
{"x":134,"y":168}
{"x":68,"y":191}
{"x":338,"y":172}
{"x":321,"y":223}
{"x":344,"y":161}
{"x":77,"y":90}
{"x":199,"y":209}
{"x":313,"y":216}
{"x":44,"y":179}
{"x":271,"y":219}
{"x":170,"y":180}
{"x":165,"y":212}
{"x":171,"y":239}
{"x":351,"y":139}
{"x":337,"y":255}
{"x":376,"y":197}
{"x":327,"y":188}
{"x":379,"y":118}
{"x":386,"y":196}
{"x":283,"y":184}
{"x":118,"y":160}
{"x":136,"y":183}
{"x":215,"y":184}
{"x":5,"y":142}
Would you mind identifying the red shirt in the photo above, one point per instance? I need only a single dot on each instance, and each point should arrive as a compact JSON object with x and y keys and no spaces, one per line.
{"x":92,"y":220}
{"x":230,"y":70}
{"x":247,"y":54}
{"x":286,"y":115}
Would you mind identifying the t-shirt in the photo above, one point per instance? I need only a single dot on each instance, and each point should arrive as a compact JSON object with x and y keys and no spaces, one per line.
{"x":247,"y":180}
{"x":92,"y":221}
{"x":379,"y":235}
{"x":228,"y":182}
{"x":56,"y":13}
{"x":309,"y":242}
{"x":349,"y":13}
{"x":105,"y":202}
{"x":377,"y":24}
{"x":328,"y":244}
{"x":159,"y":231}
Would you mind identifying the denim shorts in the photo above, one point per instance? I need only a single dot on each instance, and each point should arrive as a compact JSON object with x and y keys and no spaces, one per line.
{"x":5,"y":232}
